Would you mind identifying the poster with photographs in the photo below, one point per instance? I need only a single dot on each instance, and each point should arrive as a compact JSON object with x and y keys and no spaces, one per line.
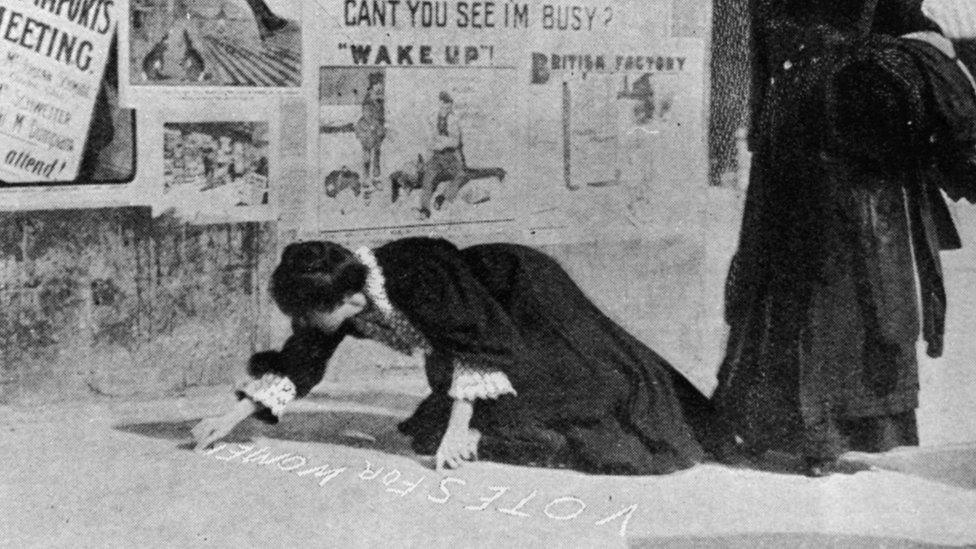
{"x":215,"y":168}
{"x":211,"y":48}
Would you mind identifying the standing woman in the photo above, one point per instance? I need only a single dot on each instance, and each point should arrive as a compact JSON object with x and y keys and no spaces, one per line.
{"x":523,"y":368}
{"x":862,"y":115}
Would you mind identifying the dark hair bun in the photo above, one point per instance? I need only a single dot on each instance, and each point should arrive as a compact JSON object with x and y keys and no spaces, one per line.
{"x":315,"y":275}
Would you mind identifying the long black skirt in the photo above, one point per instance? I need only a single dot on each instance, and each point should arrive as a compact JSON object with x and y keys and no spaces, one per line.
{"x":647,"y":419}
{"x":806,"y":380}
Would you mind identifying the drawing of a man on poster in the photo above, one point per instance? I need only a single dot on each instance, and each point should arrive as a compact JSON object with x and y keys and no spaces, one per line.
{"x":446,"y":159}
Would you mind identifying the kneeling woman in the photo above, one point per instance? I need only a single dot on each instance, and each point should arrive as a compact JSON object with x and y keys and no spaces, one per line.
{"x":523,"y":368}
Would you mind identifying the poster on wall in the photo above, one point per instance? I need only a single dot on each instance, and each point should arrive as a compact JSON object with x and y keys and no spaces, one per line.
{"x":614,"y":138}
{"x":52,"y":60}
{"x":418,"y":123}
{"x":432,"y":156}
{"x":217,"y":167}
{"x":473,"y":116}
{"x":187,"y":49}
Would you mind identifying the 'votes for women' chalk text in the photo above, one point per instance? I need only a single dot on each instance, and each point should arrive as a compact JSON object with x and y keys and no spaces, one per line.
{"x":436,"y":490}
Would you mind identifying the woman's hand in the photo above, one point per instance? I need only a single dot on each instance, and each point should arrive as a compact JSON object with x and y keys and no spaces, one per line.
{"x":460,"y":442}
{"x":212,"y":429}
{"x":456,"y":447}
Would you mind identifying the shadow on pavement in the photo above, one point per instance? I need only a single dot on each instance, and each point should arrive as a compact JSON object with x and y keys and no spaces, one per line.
{"x":353,"y":429}
{"x":780,"y":463}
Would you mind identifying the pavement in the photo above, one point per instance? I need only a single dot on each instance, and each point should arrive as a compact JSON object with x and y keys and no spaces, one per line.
{"x":334,"y":472}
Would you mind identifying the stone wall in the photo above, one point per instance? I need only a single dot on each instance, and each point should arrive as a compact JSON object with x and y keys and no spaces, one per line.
{"x":114,"y":302}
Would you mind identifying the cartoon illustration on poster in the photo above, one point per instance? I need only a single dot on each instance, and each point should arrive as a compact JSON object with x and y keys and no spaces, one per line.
{"x":558,"y":116}
{"x":52,"y":60}
{"x":392,"y":157}
{"x":215,"y":43}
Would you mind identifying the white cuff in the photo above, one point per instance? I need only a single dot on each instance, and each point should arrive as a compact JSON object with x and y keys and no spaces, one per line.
{"x":272,"y":391}
{"x":473,"y":382}
{"x":375,"y":282}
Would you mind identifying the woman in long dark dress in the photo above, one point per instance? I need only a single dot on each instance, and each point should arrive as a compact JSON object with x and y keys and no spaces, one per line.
{"x":523,"y":368}
{"x":863,"y":116}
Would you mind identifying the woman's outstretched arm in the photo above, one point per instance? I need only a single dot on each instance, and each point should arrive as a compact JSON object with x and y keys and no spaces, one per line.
{"x":278,"y":377}
{"x":212,"y":429}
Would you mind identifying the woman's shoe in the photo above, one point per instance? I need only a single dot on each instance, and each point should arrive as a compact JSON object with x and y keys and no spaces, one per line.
{"x":734,"y":453}
{"x":820,"y":467}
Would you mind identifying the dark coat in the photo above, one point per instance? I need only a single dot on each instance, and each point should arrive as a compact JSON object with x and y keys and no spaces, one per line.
{"x":781,"y":28}
{"x":842,"y":215}
{"x":589,"y":394}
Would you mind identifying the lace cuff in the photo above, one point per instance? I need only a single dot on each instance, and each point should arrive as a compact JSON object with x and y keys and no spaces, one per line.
{"x":474,"y":382}
{"x":271,"y":391}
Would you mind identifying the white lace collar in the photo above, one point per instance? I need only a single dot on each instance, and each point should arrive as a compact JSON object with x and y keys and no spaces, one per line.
{"x":375,"y":282}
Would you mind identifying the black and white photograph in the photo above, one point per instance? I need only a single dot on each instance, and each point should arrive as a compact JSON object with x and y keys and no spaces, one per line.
{"x":215,"y":43}
{"x":217,"y":166}
{"x":469,"y":273}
